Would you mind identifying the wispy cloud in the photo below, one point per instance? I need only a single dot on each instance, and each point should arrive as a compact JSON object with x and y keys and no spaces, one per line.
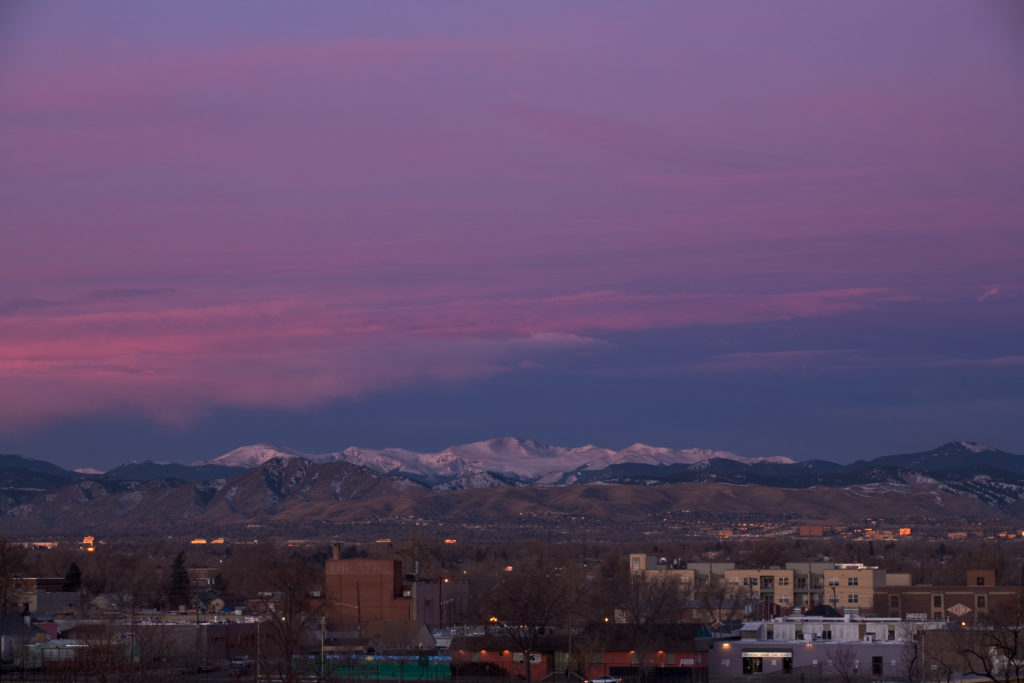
{"x":789,"y":361}
{"x":993,"y":362}
{"x":989,"y":294}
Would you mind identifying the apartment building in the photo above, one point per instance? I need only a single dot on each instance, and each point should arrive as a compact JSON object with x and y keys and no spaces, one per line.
{"x":808,"y":583}
{"x":640,"y":563}
{"x":850,"y":588}
{"x":774,"y":585}
{"x":847,"y":587}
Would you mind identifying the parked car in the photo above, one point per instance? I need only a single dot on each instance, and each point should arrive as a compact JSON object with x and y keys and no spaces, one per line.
{"x":604,"y":679}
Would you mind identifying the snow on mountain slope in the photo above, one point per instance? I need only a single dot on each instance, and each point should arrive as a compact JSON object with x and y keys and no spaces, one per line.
{"x":257,"y":454}
{"x":512,"y":458}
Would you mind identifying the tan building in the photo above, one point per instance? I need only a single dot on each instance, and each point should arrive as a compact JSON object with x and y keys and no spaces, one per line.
{"x":643,"y":564}
{"x":798,"y":586}
{"x":774,"y":585}
{"x":850,"y":588}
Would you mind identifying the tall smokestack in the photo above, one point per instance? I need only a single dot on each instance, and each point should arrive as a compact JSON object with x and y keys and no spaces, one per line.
{"x":335,"y":551}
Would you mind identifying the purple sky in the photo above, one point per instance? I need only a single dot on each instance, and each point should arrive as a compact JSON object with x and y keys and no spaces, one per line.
{"x":790,"y":228}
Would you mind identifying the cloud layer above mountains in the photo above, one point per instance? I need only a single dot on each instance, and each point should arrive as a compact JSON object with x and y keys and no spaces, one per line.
{"x":276,"y":209}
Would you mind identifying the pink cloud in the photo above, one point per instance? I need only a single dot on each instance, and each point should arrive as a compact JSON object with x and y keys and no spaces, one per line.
{"x":174,"y":363}
{"x":278,"y":221}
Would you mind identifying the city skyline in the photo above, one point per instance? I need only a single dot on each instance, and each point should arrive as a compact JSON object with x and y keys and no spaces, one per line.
{"x":787,"y":229}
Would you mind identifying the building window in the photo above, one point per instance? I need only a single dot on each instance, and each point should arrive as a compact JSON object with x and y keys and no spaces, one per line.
{"x":752,"y":665}
{"x":876,"y":666}
{"x":801,"y":582}
{"x":936,"y":601}
{"x":783,"y":580}
{"x":981,"y":580}
{"x":852,"y":597}
{"x":981,"y":602}
{"x":833,"y":581}
{"x":852,"y":581}
{"x":894,"y":601}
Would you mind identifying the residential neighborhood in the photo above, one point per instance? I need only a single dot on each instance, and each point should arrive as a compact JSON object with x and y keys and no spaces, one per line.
{"x":661,"y":618}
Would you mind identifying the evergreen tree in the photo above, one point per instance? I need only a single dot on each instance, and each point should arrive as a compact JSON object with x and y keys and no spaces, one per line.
{"x":178,"y":587}
{"x":73,"y":579}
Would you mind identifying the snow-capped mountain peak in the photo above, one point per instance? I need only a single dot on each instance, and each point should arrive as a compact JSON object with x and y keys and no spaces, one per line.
{"x":511,"y":458}
{"x":255,"y":455}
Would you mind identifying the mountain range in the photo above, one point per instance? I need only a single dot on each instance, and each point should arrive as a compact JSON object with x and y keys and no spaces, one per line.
{"x":501,"y":461}
{"x":506,"y":482}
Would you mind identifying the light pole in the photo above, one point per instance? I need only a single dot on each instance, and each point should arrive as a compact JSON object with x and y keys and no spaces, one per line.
{"x":440,"y":600}
{"x":323,"y":633}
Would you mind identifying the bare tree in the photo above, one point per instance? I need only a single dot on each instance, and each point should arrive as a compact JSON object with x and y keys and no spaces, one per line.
{"x":12,"y":562}
{"x":995,"y":648}
{"x":719,"y":603}
{"x":533,"y":599}
{"x":843,"y":660}
{"x":604,"y":590}
{"x":649,"y":602}
{"x":292,"y":615}
{"x":112,"y":653}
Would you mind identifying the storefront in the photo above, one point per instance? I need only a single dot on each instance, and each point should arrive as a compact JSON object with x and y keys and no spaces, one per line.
{"x":767,"y":661}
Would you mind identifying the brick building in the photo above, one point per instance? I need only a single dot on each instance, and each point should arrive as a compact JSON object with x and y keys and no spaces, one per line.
{"x":969,"y":604}
{"x":360,"y":590}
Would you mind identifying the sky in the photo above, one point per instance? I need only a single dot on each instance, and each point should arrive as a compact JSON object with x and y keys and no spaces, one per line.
{"x":787,"y":228}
